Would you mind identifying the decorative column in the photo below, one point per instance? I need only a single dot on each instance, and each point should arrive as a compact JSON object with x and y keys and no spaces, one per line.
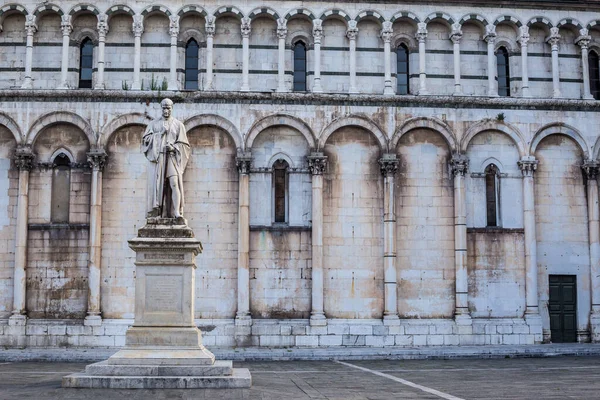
{"x":30,"y":29}
{"x":490,"y":38}
{"x":281,"y":35}
{"x":317,"y":163}
{"x":590,"y":168}
{"x":210,"y":34}
{"x":459,"y":165}
{"x":524,"y":40}
{"x":421,"y":36}
{"x":96,"y":159}
{"x":174,"y":32}
{"x":138,"y":29}
{"x":389,"y":166}
{"x":102,"y":27}
{"x":455,"y":37}
{"x":67,"y":28}
{"x":528,"y":165}
{"x":584,"y":41}
{"x":554,"y":40}
{"x":243,"y":162}
{"x":246,"y":30}
{"x":351,"y":33}
{"x":386,"y":35}
{"x":317,"y":36}
{"x":24,"y":162}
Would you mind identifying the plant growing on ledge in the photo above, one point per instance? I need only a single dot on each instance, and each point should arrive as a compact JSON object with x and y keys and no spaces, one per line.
{"x":500,"y":117}
{"x":125,"y":85}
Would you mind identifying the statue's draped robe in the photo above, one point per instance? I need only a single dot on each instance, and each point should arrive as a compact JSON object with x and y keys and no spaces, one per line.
{"x":165,"y":164}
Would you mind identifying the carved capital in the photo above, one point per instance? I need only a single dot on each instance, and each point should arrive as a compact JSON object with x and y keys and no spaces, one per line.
{"x":210,"y":26}
{"x":584,"y":41}
{"x":352,"y":30}
{"x":590,"y":169}
{"x":387,"y":32}
{"x":174,"y":25}
{"x":30,"y":25}
{"x":317,"y":30}
{"x":65,"y":25}
{"x":456,"y":33}
{"x":421,"y":34}
{"x":102,"y":25}
{"x":528,"y":166}
{"x":388,"y":165}
{"x":97,"y":159}
{"x":243,"y":161}
{"x":24,"y":158}
{"x":138,"y":25}
{"x":246,"y":27}
{"x":459,"y":165}
{"x":554,"y":38}
{"x":317,"y":163}
{"x":282,"y":28}
{"x":490,"y":33}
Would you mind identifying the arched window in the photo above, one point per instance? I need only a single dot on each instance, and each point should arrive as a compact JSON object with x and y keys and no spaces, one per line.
{"x":299,"y":67}
{"x":61,"y":189}
{"x":402,"y":69}
{"x":86,"y":60}
{"x":280,"y":190}
{"x":503,"y":72}
{"x":492,"y":195}
{"x":594,"y":74}
{"x":191,"y":65}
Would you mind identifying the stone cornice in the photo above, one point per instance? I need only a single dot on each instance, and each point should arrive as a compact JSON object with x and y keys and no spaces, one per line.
{"x":315,"y":99}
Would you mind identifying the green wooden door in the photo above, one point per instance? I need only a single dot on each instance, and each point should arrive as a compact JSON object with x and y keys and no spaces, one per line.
{"x":563,"y":308}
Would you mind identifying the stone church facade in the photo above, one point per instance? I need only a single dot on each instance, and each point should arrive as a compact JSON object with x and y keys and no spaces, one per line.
{"x":379,"y":174}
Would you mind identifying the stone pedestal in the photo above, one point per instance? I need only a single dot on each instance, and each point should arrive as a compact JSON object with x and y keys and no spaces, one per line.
{"x":163,"y":347}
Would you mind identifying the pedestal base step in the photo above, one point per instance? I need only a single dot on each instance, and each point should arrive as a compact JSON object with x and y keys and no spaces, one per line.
{"x":239,"y":379}
{"x":219,"y":368}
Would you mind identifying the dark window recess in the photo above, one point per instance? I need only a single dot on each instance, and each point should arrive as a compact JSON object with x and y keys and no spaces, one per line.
{"x":594,"y":63}
{"x":280,"y":182}
{"x":61,"y":189}
{"x":191,"y":65}
{"x":562,"y":307}
{"x":503,"y":72}
{"x":299,"y":67}
{"x":86,"y":61}
{"x":402,"y":69}
{"x":491,"y":194}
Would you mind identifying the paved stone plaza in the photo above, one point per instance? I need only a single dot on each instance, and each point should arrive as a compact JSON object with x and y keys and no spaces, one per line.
{"x":510,"y":378}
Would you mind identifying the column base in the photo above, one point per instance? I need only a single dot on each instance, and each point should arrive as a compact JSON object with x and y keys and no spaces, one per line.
{"x":136,"y":87}
{"x":391,"y":319}
{"x":492,"y":94}
{"x":463,"y":319}
{"x":17,"y":320}
{"x":63,"y":86}
{"x":388,"y":92}
{"x":588,"y":97}
{"x":318,"y":319}
{"x":27,"y":84}
{"x":92,"y":320}
{"x":282,"y":90}
{"x":317,"y":88}
{"x":353,"y":91}
{"x":245,"y":89}
{"x":534,"y":321}
{"x":100,"y":87}
{"x":423,"y":93}
{"x":595,"y":327}
{"x":243,"y":320}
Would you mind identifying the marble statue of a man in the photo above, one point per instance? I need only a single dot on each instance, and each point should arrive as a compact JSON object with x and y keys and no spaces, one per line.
{"x":166,"y":146}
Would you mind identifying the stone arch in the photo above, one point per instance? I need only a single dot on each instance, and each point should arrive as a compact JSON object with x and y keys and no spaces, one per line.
{"x":439,"y":15}
{"x":232,"y":10}
{"x":119,"y":9}
{"x":569,"y":21}
{"x":354,"y":120}
{"x":510,"y":44}
{"x":9,"y":9}
{"x":335,"y":13}
{"x":60,"y":117}
{"x":48,"y":8}
{"x":192,"y":9}
{"x":160,"y":9}
{"x":119,"y":122}
{"x":596,"y":150}
{"x":191,"y":33}
{"x":509,"y":19}
{"x":80,"y":35}
{"x":478,"y":19}
{"x":408,"y":40}
{"x":300,"y":11}
{"x":218,"y":121}
{"x":281,"y":156}
{"x":280,"y":119}
{"x":540,"y":20}
{"x":592,"y":23}
{"x":12,"y":126}
{"x":84,"y":7}
{"x":562,"y":129}
{"x":494,"y":125}
{"x":300,"y":36}
{"x":370,"y":14}
{"x":426,"y":123}
{"x":489,"y":161}
{"x":65,"y":151}
{"x":407,"y":15}
{"x":262,"y":12}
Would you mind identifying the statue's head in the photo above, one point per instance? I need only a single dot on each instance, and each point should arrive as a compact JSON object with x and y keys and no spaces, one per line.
{"x":167,"y":108}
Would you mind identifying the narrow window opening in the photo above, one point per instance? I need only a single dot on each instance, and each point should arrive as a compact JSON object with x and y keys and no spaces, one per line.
{"x":594,"y":63}
{"x":86,"y":60}
{"x":491,"y":194}
{"x":402,"y":68}
{"x":299,"y":67}
{"x":61,"y":189}
{"x":280,"y":174}
{"x":191,"y":65}
{"x":503,"y":72}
